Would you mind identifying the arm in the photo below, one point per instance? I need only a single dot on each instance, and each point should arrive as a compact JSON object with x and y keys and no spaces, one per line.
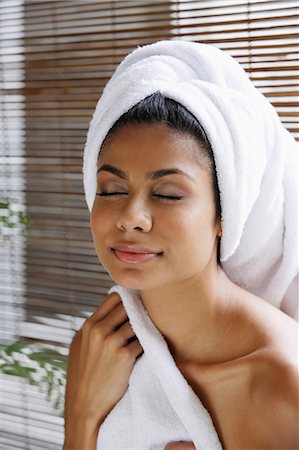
{"x":277,"y":402}
{"x":78,"y":434}
{"x":99,"y":365}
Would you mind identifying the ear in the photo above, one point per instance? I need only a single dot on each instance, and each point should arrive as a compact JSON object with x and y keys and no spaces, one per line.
{"x":219,"y":228}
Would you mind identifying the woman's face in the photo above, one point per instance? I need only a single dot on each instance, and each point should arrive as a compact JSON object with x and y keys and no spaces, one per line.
{"x":153,"y":220}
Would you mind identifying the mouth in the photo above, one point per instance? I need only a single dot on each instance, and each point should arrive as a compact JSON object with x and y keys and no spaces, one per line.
{"x":132,"y":254}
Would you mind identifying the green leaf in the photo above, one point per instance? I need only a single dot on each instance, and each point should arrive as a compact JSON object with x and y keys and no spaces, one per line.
{"x":51,"y":361}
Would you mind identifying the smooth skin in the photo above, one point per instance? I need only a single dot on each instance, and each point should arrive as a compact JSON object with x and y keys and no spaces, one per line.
{"x":239,"y":353}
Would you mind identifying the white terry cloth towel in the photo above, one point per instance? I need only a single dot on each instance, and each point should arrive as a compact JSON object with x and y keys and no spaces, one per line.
{"x":256,"y":157}
{"x":159,"y":405}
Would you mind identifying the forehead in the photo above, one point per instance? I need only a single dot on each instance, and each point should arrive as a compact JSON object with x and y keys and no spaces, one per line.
{"x":158,"y":143}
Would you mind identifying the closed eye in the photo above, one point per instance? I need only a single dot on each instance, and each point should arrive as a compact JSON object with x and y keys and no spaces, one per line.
{"x":110,"y":194}
{"x":168,"y":197}
{"x":160,"y":196}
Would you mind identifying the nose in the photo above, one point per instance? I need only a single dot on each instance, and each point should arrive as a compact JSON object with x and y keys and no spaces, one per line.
{"x":135,"y":215}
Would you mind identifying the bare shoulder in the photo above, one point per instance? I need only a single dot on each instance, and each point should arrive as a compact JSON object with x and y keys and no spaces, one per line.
{"x":275,"y":398}
{"x":274,"y":382}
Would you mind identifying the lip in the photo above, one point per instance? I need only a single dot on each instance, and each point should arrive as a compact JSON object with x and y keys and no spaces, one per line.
{"x":131,"y":253}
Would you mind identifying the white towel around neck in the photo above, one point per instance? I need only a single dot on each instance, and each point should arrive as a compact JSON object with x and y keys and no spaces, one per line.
{"x":159,"y":405}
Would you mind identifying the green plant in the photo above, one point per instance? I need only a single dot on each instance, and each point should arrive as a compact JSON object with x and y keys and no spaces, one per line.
{"x":39,"y":365}
{"x":12,"y":216}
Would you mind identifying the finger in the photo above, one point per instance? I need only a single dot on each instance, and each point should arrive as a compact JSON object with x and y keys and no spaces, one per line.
{"x":116,"y":317}
{"x":124,"y":333}
{"x":135,"y":348}
{"x":180,"y":446}
{"x":105,"y":307}
{"x":104,"y":325}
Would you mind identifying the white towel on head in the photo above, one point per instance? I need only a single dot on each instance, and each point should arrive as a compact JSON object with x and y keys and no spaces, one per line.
{"x":256,"y":157}
{"x":159,"y":405}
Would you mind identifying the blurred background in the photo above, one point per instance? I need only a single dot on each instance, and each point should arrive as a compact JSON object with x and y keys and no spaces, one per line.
{"x":55,"y":58}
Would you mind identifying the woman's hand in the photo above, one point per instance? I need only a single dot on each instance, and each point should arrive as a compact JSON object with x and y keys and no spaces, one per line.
{"x":180,"y":446}
{"x":100,"y":364}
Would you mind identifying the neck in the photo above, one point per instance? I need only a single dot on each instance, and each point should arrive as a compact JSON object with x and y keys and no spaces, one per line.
{"x":190,"y":314}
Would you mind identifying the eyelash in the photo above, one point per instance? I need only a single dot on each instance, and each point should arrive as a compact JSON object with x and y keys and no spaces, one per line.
{"x":110,"y":194}
{"x":163,"y":197}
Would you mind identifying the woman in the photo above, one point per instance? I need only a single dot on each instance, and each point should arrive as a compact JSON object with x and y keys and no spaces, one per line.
{"x":157,"y":225}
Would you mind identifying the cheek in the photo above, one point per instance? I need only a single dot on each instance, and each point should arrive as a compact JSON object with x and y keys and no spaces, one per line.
{"x":100,"y":218}
{"x":98,"y":224}
{"x":99,"y":228}
{"x":94,"y":220}
{"x":190,"y":220}
{"x":193,"y":228}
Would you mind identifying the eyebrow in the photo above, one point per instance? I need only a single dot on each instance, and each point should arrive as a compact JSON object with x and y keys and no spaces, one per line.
{"x":118,"y":172}
{"x":150,"y":175}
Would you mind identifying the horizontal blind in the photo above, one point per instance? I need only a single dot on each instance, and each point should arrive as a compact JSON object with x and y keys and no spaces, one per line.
{"x":67,"y":51}
{"x":68,"y":60}
{"x":12,"y":158}
{"x":56,"y":57}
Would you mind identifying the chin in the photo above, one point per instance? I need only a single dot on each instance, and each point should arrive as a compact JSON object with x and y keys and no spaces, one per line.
{"x":130,"y":283}
{"x":135,"y":280}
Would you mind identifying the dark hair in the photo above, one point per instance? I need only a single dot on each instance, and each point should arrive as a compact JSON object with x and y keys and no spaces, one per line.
{"x":157,"y":108}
